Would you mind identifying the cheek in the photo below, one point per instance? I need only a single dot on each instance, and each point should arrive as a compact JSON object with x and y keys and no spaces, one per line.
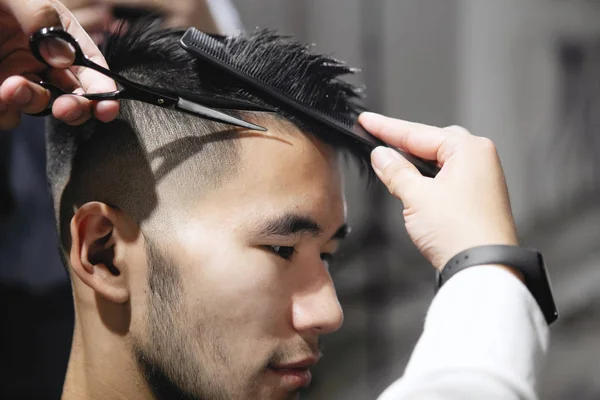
{"x":240,"y":286}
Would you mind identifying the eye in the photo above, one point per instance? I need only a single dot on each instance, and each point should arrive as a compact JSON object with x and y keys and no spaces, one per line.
{"x":285,"y":252}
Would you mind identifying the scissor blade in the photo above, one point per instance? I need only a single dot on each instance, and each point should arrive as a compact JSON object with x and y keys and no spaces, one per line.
{"x":214,"y":115}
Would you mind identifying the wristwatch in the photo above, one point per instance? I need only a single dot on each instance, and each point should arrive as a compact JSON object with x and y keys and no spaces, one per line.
{"x":528,"y":262}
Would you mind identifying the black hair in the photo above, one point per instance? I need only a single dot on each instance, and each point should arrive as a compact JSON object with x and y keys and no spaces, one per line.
{"x":111,"y":162}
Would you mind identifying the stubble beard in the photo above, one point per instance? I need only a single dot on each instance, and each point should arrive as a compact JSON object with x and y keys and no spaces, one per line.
{"x":171,"y":362}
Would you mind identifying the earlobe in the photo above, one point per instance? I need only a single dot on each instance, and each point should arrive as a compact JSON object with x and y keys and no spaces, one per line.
{"x":95,"y":243}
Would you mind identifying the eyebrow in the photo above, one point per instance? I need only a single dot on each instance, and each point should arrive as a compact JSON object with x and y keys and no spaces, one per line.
{"x":291,"y":224}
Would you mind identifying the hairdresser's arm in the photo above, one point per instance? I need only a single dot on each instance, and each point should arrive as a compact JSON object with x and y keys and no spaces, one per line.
{"x":485,"y":336}
{"x":18,"y":19}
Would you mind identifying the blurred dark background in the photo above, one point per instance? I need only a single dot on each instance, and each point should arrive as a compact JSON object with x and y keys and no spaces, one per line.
{"x":525,"y":73}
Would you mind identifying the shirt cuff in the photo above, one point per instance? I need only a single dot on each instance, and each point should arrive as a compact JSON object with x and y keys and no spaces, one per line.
{"x":484,"y":321}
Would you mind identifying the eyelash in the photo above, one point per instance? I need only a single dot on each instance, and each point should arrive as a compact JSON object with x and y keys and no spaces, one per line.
{"x":286,"y":252}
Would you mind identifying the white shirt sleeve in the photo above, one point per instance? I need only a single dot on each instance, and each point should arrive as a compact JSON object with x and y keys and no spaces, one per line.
{"x":484,"y":338}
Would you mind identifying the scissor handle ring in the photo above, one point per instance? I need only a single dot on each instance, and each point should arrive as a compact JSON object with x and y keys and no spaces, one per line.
{"x":55,"y":92}
{"x":55,"y":32}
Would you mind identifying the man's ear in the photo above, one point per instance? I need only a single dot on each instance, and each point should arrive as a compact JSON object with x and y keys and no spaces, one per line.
{"x":97,"y":251}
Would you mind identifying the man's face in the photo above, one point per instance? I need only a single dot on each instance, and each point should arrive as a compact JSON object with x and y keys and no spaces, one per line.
{"x":235,"y":300}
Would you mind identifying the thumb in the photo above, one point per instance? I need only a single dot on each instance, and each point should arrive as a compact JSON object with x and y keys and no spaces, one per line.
{"x":395,"y":171}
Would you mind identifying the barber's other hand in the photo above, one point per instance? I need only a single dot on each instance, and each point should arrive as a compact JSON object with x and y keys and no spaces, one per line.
{"x":18,"y":20}
{"x":465,"y":205}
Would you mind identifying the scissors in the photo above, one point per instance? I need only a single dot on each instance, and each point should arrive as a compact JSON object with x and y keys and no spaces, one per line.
{"x":195,"y":104}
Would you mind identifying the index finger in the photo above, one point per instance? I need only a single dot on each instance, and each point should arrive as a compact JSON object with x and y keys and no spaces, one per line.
{"x":425,"y":141}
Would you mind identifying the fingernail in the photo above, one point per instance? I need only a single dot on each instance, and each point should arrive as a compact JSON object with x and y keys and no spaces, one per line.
{"x":22,"y":96}
{"x":381,"y":157}
{"x":366,"y":116}
{"x":58,"y":52}
{"x":370,"y":114}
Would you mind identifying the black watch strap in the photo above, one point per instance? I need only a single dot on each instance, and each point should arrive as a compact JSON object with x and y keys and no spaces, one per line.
{"x":530,"y":263}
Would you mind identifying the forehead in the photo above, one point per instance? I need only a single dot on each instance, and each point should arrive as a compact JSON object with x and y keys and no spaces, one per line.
{"x":282,"y":170}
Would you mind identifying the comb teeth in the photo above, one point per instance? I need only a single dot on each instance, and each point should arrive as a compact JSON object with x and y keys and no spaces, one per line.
{"x":210,"y":49}
{"x":206,"y":46}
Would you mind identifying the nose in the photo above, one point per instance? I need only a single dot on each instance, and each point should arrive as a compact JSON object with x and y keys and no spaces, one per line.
{"x":316,"y":309}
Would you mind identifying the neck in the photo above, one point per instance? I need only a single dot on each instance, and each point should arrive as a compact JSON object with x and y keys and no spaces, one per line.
{"x":101,"y":365}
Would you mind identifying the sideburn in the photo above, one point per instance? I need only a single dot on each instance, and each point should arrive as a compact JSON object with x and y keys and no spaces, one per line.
{"x":166,"y":357}
{"x":164,"y":301}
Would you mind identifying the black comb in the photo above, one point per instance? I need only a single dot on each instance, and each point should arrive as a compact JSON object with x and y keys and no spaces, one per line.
{"x":212,"y":50}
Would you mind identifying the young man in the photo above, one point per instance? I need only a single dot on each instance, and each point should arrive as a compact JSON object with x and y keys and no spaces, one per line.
{"x":198,"y":251}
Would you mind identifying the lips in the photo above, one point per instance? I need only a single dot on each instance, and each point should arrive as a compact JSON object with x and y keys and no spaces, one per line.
{"x":293,"y":377}
{"x":301,"y":364}
{"x":296,"y":374}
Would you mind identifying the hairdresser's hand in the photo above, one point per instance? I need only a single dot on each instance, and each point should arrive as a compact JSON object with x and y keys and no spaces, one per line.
{"x":20,"y":18}
{"x":466,"y":205}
